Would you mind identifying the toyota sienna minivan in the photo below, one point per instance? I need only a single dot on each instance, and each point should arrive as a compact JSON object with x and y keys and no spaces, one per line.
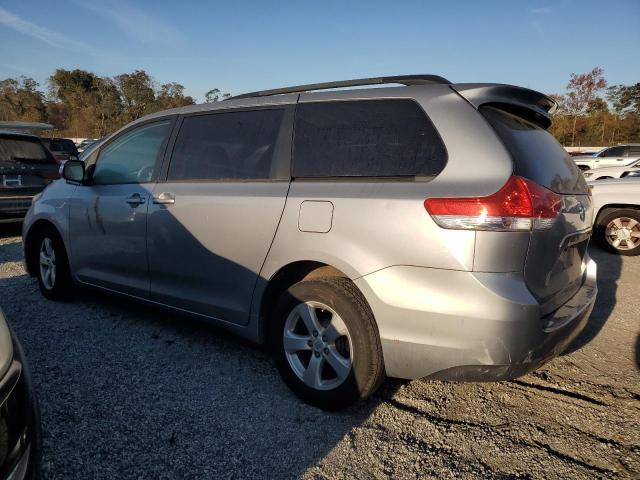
{"x":427,"y":230}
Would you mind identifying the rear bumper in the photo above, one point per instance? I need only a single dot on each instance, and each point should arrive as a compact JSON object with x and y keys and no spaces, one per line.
{"x":465,"y":326}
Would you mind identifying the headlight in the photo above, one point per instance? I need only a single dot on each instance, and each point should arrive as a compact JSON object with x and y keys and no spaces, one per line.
{"x":588,"y":174}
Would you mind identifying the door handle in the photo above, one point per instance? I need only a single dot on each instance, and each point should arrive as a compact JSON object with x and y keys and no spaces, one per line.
{"x":135,"y":199}
{"x":164,"y":198}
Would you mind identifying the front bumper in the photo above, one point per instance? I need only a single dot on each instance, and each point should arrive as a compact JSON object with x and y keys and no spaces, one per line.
{"x":468,"y":326}
{"x":20,"y":438}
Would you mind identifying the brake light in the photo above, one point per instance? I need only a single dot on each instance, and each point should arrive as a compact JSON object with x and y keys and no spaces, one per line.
{"x":519,"y":205}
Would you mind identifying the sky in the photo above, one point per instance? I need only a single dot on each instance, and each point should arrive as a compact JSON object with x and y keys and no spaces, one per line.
{"x":240,"y":46}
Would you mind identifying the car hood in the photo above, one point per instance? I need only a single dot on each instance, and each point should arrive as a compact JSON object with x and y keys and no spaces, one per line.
{"x":582,"y":158}
{"x":6,"y":346}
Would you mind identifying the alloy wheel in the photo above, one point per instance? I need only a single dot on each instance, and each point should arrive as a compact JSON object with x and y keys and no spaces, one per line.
{"x":623,"y":233}
{"x":47,"y":263}
{"x":317,"y":345}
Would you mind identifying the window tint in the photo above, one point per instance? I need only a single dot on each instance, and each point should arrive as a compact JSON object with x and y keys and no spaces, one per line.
{"x":132,"y":157}
{"x":21,"y":150}
{"x":536,"y":154}
{"x":613,"y":152}
{"x":372,"y":138}
{"x":232,"y":145}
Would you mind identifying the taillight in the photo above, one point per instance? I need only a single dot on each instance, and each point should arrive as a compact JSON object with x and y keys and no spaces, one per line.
{"x":519,"y":205}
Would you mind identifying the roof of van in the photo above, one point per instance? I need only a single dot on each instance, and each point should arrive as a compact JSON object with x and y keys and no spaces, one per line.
{"x":475,"y":93}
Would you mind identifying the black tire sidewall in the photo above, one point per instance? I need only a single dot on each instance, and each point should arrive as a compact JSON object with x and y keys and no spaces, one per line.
{"x":366,"y":353}
{"x":62,"y":286}
{"x":602,"y":227}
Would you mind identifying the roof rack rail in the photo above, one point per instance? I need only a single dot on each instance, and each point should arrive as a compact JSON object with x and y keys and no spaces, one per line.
{"x":358,"y":82}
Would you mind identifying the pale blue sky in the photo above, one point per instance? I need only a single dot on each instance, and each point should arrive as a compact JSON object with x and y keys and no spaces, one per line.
{"x":240,"y":46}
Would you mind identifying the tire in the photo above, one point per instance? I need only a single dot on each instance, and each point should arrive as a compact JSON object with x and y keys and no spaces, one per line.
{"x":57,"y":285}
{"x":347,"y":337}
{"x":625,"y":219}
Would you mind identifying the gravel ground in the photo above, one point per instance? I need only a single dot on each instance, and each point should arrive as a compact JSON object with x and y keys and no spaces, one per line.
{"x":127,"y":391}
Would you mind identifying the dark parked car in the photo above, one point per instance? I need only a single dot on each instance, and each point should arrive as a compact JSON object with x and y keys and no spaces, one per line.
{"x":26,"y":167}
{"x":63,"y":149}
{"x":20,"y":439}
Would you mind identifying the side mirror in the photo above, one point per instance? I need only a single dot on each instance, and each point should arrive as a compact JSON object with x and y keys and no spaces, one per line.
{"x":73,"y":171}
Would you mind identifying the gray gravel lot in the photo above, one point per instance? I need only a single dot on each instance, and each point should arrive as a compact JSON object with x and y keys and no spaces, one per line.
{"x":127,"y":391}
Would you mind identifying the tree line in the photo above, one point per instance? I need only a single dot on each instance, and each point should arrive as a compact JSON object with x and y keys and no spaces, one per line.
{"x":593,"y":113}
{"x":82,"y":104}
{"x":79,"y":103}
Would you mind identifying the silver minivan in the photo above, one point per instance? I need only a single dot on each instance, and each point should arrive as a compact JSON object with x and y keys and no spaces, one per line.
{"x":427,"y":230}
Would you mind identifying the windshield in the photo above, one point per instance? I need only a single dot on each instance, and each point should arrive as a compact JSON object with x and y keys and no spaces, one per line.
{"x":63,"y":145}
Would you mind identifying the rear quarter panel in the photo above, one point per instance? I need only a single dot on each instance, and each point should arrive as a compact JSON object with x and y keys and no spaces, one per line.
{"x":379,"y":223}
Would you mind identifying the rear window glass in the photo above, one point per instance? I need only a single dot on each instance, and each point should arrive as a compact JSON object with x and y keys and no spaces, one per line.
{"x":15,"y":149}
{"x":536,"y":154}
{"x":366,"y":138}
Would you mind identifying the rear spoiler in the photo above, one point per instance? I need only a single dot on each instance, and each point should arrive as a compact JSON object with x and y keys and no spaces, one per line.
{"x":530,"y":104}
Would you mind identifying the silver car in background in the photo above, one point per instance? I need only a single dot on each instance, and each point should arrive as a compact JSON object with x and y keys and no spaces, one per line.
{"x":428,"y":230}
{"x":605,"y":173}
{"x":617,"y":156}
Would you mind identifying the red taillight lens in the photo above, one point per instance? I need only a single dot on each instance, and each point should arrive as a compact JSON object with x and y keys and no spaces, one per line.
{"x":519,"y":205}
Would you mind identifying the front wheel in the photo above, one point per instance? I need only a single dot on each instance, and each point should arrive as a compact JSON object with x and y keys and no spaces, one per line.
{"x":54,"y":277}
{"x":619,"y":231}
{"x":326,"y":343}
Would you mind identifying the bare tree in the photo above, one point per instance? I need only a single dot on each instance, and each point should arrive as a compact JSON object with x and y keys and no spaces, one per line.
{"x":582,"y":90}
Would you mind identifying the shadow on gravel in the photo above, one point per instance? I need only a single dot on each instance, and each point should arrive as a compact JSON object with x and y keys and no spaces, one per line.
{"x":130,"y":390}
{"x":10,"y":229}
{"x":609,"y":270}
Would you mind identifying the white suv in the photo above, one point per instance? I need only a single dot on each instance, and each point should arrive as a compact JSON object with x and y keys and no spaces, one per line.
{"x":618,"y":156}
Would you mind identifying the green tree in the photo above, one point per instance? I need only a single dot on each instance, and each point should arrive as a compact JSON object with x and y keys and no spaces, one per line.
{"x":20,"y":99}
{"x":137,"y":94}
{"x":171,"y":95}
{"x":215,"y":95}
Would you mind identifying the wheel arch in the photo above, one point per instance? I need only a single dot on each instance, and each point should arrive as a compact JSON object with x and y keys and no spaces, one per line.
{"x":612,"y":207}
{"x":286,"y":276}
{"x":30,"y":245}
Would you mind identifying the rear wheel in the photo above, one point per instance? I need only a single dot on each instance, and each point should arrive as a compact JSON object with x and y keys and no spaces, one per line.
{"x":54,"y":276}
{"x":326,"y":343}
{"x":619,"y":231}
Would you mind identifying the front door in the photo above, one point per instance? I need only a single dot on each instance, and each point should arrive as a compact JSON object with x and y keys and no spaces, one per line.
{"x":108,"y":219}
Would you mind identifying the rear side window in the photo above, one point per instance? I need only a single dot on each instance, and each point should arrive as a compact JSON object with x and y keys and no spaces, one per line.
{"x":632,"y":151}
{"x":536,"y":154}
{"x":14,"y":150}
{"x":366,"y":138}
{"x":226,"y":146}
{"x":613,"y":152}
